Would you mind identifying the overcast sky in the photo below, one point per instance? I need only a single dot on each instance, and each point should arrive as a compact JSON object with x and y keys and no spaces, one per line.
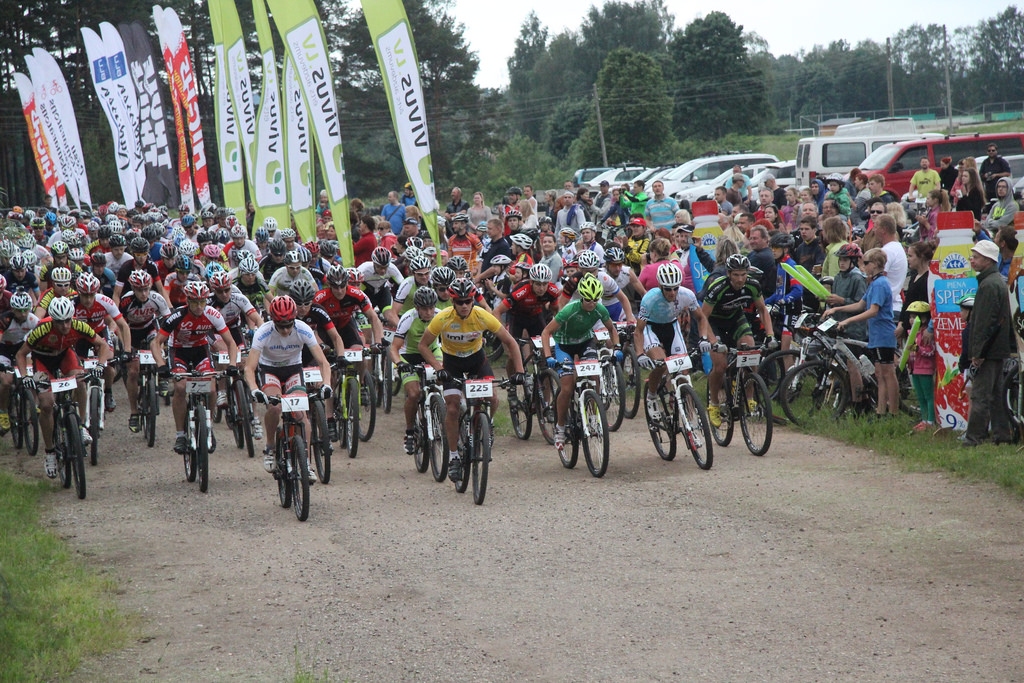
{"x":492,"y":28}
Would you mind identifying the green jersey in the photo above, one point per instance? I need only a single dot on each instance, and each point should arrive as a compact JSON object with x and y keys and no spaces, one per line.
{"x":411,"y":327}
{"x":576,"y":326}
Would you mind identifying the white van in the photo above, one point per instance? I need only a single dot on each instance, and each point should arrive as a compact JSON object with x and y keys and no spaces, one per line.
{"x":705,"y":169}
{"x":838,"y":154}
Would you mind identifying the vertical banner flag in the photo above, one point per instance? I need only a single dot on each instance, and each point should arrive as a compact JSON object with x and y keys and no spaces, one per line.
{"x":228,"y":144}
{"x":126,"y":87}
{"x":61,"y":131}
{"x":105,"y":71}
{"x":952,"y":277}
{"x":238,"y":82}
{"x":299,"y":148}
{"x":1016,"y":285}
{"x":183,"y":84}
{"x":157,"y":157}
{"x":40,"y":146}
{"x":269,"y":181}
{"x":396,"y":53}
{"x":299,"y":25}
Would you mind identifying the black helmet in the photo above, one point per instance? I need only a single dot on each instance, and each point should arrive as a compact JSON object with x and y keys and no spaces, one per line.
{"x":425,"y":297}
{"x":515,"y":190}
{"x":737,"y":262}
{"x":139,"y":245}
{"x":278,"y":247}
{"x":781,"y":240}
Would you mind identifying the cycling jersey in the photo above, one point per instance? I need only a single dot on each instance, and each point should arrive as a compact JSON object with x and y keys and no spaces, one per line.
{"x":254,"y":292}
{"x":282,"y":282}
{"x":174,"y":285}
{"x":129,"y":268}
{"x":374,"y":281}
{"x":576,"y":326}
{"x":234,"y":253}
{"x":462,"y":336}
{"x":467,"y":246}
{"x":45,"y":271}
{"x":46,"y":341}
{"x":96,"y":315}
{"x":570,"y":283}
{"x":13,"y":333}
{"x":278,"y":350}
{"x":189,"y":331}
{"x":317,"y":319}
{"x":29,"y":283}
{"x":142,"y":315}
{"x":268,"y":266}
{"x":523,"y":302}
{"x":234,"y":310}
{"x":410,"y":329}
{"x":48,"y":295}
{"x":656,"y":309}
{"x":728,"y":303}
{"x":788,"y":290}
{"x":406,"y":292}
{"x":341,"y":312}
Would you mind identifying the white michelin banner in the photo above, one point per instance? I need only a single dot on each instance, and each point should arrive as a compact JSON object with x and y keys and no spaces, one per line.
{"x":129,"y":97}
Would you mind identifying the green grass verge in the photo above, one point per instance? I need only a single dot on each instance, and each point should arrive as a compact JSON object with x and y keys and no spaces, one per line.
{"x":54,"y":611}
{"x":924,"y":451}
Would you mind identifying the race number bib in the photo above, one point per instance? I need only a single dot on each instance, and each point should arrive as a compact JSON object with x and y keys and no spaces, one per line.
{"x":588,"y":368}
{"x":678,"y":363}
{"x":294,"y":403}
{"x":479,"y":388}
{"x":197,"y":386}
{"x":353,"y":356}
{"x":61,"y":385}
{"x":146,"y":358}
{"x":312,"y":375}
{"x":748,"y":359}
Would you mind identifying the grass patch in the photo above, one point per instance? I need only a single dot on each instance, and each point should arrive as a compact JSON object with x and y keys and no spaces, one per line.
{"x":54,"y":611}
{"x":924,"y":451}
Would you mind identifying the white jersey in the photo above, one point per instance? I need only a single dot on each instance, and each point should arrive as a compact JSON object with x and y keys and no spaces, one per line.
{"x":377,"y":282}
{"x":16,"y":332}
{"x":281,"y":281}
{"x":235,"y":252}
{"x":115,"y":264}
{"x":278,"y":350}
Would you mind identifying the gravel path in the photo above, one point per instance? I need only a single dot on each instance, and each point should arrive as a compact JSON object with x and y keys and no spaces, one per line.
{"x":816,"y":562}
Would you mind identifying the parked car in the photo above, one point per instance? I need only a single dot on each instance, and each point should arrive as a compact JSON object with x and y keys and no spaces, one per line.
{"x":704,"y":169}
{"x":707,"y":190}
{"x":585,"y":175}
{"x":616,"y":176}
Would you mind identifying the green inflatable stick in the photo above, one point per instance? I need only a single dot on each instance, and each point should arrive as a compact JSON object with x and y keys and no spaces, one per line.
{"x":911,"y":338}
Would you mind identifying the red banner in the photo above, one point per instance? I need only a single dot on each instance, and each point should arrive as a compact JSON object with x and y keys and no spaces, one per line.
{"x":40,"y":148}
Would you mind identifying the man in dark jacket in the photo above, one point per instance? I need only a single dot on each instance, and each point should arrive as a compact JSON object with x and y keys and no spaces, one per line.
{"x":989,"y":345}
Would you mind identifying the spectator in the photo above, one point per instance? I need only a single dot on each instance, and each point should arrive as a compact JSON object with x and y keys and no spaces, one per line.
{"x":635,"y":202}
{"x":837,"y":193}
{"x":790,"y":211}
{"x":925,"y":180}
{"x":761,"y":257}
{"x":899,"y":215}
{"x":551,"y":197}
{"x":992,"y":169}
{"x":730,"y":231}
{"x":947,"y":173}
{"x":989,"y":346}
{"x":922,"y":370}
{"x":637,"y":243}
{"x":394,"y":212}
{"x":322,"y":204}
{"x":957,"y":191}
{"x":528,"y":197}
{"x":808,"y":252}
{"x":771,"y":216}
{"x":659,"y":212}
{"x":778,"y":194}
{"x":367,"y":242}
{"x":895,"y":265}
{"x":658,"y":253}
{"x":919,"y":258}
{"x":972,"y":193}
{"x":572,"y":215}
{"x":765,"y":197}
{"x":479,"y":212}
{"x":861,"y":199}
{"x":603,"y":196}
{"x":1006,"y":240}
{"x":549,"y":256}
{"x":1003,"y":210}
{"x":530,"y":221}
{"x":724,"y":205}
{"x":456,"y":205}
{"x":682,"y":254}
{"x":408,"y":196}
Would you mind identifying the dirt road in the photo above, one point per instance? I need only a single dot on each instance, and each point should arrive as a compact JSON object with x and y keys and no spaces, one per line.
{"x":816,"y":562}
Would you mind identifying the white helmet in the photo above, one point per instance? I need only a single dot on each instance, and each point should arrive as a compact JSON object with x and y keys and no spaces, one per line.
{"x":669,"y":275}
{"x":270,"y":223}
{"x":61,"y":309}
{"x":588,"y":259}
{"x":522,"y":241}
{"x":540,"y":272}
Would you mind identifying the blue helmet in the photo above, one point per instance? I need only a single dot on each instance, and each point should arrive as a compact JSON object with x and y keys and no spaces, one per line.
{"x":185,"y":262}
{"x":212,"y":269}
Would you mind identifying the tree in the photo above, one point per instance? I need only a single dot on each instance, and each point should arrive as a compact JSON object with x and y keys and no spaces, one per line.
{"x":718,"y":91}
{"x":565,"y":124}
{"x":636,"y":112}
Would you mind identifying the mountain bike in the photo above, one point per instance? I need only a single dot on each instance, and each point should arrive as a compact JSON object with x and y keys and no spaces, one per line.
{"x":198,"y":425}
{"x":149,"y":403}
{"x":292,"y":472}
{"x":347,"y":403}
{"x":612,"y":387}
{"x":585,"y":421}
{"x":476,"y":434}
{"x":679,"y":411}
{"x":239,"y":413}
{"x":631,"y":371}
{"x":535,"y":398}
{"x":67,"y":435}
{"x":95,"y":409}
{"x":431,"y":444}
{"x":319,"y":437}
{"x":746,"y":400}
{"x":384,"y":375}
{"x":24,"y":415}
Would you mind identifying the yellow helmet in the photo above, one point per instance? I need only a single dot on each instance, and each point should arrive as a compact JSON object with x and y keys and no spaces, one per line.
{"x":590,"y":288}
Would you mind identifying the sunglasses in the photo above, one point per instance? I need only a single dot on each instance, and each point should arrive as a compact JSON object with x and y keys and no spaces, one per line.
{"x":462,"y":302}
{"x":290,"y":323}
{"x":670,"y":289}
{"x":874,"y":213}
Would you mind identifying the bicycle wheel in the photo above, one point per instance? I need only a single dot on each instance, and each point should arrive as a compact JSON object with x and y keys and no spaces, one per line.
{"x":233,"y":419}
{"x":388,"y":372}
{"x":465,"y":454}
{"x":594,"y":433}
{"x":95,"y":410}
{"x":421,"y":452}
{"x":14,"y":409}
{"x":298,"y":476}
{"x":76,"y":453}
{"x":909,"y":404}
{"x":755,"y":407}
{"x":202,"y":450}
{"x":320,"y":441}
{"x":662,"y":429}
{"x":352,"y":419}
{"x":493,"y":346}
{"x":438,"y":446}
{"x":368,"y":408}
{"x":1009,"y":390}
{"x":243,"y":407}
{"x":149,"y":410}
{"x":774,"y":367}
{"x":191,"y":463}
{"x":284,"y":489}
{"x":481,"y":457}
{"x":634,"y":381}
{"x":812,"y":388}
{"x":722,"y":433}
{"x":60,"y":446}
{"x":545,"y":388}
{"x":696,"y":429}
{"x":570,"y":451}
{"x":613,"y":395}
{"x":520,"y":411}
{"x":31,"y":413}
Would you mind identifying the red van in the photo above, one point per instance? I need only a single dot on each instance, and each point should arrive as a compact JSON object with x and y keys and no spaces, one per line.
{"x":899,"y":161}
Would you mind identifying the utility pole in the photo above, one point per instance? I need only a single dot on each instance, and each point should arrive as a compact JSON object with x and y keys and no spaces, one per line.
{"x":949,"y":95}
{"x":888,"y":56}
{"x":600,"y":128}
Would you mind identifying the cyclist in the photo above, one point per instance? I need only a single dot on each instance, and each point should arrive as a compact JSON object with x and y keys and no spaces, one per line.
{"x":342,"y":300}
{"x":118,"y":253}
{"x":240,"y":246}
{"x":786,"y":301}
{"x":461,"y":332}
{"x":658,"y":331}
{"x":277,"y":353}
{"x":281,"y":282}
{"x":21,"y":276}
{"x":61,"y":259}
{"x":187,"y":330}
{"x":724,"y":301}
{"x":529,"y":306}
{"x":98,"y":267}
{"x":377,"y":275}
{"x":141,"y":308}
{"x":249,"y":281}
{"x":614,"y":265}
{"x":463,"y":244}
{"x":573,"y":332}
{"x":588,"y":262}
{"x":234,"y":307}
{"x":15,"y":324}
{"x":405,"y":355}
{"x":140,"y":254}
{"x":60,"y":278}
{"x":98,"y":310}
{"x":52,"y":344}
{"x":419,"y":269}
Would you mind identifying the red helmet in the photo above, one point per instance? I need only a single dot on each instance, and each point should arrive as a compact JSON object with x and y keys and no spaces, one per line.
{"x":88,"y":284}
{"x":140,"y":278}
{"x":313,"y":246}
{"x":282,"y":309}
{"x":221,"y":280}
{"x":196,"y":289}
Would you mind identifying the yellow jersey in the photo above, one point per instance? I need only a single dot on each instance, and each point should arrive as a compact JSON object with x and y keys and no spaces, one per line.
{"x":462,"y":336}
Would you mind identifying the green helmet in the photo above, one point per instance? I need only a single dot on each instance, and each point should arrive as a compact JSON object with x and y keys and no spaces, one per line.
{"x":590,"y":288}
{"x":967,"y":300}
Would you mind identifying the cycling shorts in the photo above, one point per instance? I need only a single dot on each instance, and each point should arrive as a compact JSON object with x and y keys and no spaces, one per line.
{"x":564,"y":355}
{"x":881,"y":355}
{"x":191,"y":359}
{"x":532,"y":326}
{"x":729,"y":332}
{"x":615,"y":311}
{"x":286,"y":377}
{"x":666,"y":335}
{"x":381,"y":298}
{"x":414,"y":359}
{"x":475,"y":366}
{"x":67,"y":364}
{"x":142,"y":337}
{"x":350,"y":335}
{"x":8,"y":352}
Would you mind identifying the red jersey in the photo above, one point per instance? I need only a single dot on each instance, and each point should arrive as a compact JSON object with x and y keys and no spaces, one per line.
{"x":467,"y":246}
{"x":46,"y":341}
{"x":523,"y":302}
{"x":341,"y":312}
{"x":189,"y":330}
{"x":96,"y":316}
